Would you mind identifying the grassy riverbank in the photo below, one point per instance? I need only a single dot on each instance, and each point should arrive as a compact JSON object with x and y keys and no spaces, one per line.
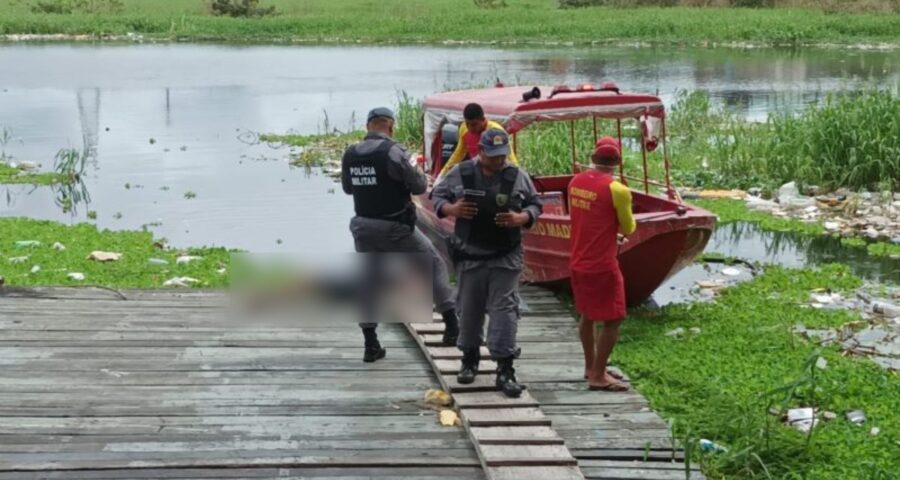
{"x":433,"y":21}
{"x":721,"y":384}
{"x":133,"y":270}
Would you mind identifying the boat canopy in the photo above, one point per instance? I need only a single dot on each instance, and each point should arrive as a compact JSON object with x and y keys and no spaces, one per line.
{"x":507,"y":105}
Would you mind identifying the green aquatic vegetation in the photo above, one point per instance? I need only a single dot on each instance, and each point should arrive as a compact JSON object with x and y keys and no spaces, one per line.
{"x":10,"y":175}
{"x":876,"y":249}
{"x":721,"y":383}
{"x":521,"y":21}
{"x":730,"y":211}
{"x":133,"y":270}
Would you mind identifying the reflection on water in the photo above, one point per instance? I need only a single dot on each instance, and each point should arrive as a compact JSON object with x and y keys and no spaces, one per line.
{"x":748,"y":242}
{"x":164,"y":119}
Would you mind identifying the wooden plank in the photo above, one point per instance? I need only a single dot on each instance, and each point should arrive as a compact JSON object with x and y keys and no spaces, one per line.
{"x":485,"y":367}
{"x":494,"y":417}
{"x":494,"y":399}
{"x":482,"y":383}
{"x":515,"y":435}
{"x":268,"y":473}
{"x":594,"y":473}
{"x":627,"y":454}
{"x":535,"y":473}
{"x":433,"y":339}
{"x":279,"y":462}
{"x":521,"y":455}
{"x":432,"y":327}
{"x":454,"y":353}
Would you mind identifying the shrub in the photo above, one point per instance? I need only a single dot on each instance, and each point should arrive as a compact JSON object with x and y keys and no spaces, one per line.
{"x":68,"y":7}
{"x":240,"y":8}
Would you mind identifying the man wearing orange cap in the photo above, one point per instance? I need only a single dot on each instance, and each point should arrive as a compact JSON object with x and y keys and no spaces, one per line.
{"x":600,"y":209}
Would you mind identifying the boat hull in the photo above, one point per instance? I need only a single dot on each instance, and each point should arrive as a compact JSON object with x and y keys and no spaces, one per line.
{"x":668,"y":238}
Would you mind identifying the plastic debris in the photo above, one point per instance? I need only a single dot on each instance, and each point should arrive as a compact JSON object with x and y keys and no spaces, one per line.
{"x":18,"y":259}
{"x":731,"y":271}
{"x":28,"y":243}
{"x":449,"y":418}
{"x":856,"y":416}
{"x":221,"y":271}
{"x":185,"y":259}
{"x":695,"y":330}
{"x":59,"y":247}
{"x":803,"y":419}
{"x":675,"y":333}
{"x":887,"y":309}
{"x":77,"y":276}
{"x":821,"y":363}
{"x":437,"y":398}
{"x":711,"y":446}
{"x":157,"y":261}
{"x":36,"y":269}
{"x":832,"y":226}
{"x":100,"y":256}
{"x":874,"y":431}
{"x":180,"y":282}
{"x":823,"y":298}
{"x":829,"y":415}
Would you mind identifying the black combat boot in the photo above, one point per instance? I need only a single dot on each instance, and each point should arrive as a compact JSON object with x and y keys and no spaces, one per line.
{"x":469,"y":368}
{"x":373,"y":349}
{"x":506,"y":378}
{"x":451,"y":328}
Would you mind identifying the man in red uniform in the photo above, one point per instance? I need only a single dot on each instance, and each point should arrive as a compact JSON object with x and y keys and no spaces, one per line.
{"x":600,"y":208}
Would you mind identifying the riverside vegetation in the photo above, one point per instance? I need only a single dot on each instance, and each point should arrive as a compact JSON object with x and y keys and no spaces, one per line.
{"x":433,"y":21}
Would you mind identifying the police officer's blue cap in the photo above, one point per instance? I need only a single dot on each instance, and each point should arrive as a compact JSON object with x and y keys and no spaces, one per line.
{"x":380,"y":112}
{"x":495,"y":142}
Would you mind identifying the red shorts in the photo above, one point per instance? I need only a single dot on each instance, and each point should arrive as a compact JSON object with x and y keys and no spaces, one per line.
{"x":599,"y":296}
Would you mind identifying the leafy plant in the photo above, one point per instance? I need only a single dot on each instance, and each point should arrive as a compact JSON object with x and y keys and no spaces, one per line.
{"x":67,"y":7}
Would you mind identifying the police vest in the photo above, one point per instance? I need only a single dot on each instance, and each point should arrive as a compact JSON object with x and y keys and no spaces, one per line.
{"x":482,"y":230}
{"x":375,"y":193}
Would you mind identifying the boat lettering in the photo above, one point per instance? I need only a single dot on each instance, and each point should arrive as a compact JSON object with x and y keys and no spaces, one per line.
{"x":553,"y":230}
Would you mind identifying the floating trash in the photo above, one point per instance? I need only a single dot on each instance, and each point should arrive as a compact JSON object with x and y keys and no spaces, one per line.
{"x":803,"y":419}
{"x":157,"y":261}
{"x":101,"y":256}
{"x":36,"y":269}
{"x":695,"y":330}
{"x":821,"y":363}
{"x":856,"y":416}
{"x":185,"y":259}
{"x":675,"y":333}
{"x":180,"y":282}
{"x":874,"y":431}
{"x":731,"y":271}
{"x":76,"y":276}
{"x":59,"y":247}
{"x":711,"y":446}
{"x":18,"y":259}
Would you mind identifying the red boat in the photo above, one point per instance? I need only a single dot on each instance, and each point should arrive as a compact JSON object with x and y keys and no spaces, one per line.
{"x":670,"y":233}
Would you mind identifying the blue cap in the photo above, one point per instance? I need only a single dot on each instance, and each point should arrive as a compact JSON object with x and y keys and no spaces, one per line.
{"x":380,"y":112}
{"x":495,"y":142}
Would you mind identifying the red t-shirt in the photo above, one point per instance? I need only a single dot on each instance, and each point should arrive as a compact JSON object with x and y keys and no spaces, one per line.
{"x":472,"y":139}
{"x":595,"y":226}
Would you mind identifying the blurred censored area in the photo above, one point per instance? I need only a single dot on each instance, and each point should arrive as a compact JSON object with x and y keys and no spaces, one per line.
{"x":345,"y":289}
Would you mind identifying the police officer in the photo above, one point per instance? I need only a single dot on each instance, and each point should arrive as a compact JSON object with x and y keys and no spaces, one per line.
{"x":380,"y":175}
{"x":492,"y":201}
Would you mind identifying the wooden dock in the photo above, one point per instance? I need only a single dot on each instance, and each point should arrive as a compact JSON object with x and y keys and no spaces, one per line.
{"x":93,"y":386}
{"x":156,"y":386}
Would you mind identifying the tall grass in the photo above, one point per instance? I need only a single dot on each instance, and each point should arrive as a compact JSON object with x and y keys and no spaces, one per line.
{"x":852,"y":140}
{"x":521,"y":21}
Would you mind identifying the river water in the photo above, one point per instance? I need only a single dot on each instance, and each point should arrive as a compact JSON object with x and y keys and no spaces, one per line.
{"x":165,"y":119}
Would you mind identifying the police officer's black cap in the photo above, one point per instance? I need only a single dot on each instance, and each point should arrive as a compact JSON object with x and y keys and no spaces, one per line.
{"x":380,"y":112}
